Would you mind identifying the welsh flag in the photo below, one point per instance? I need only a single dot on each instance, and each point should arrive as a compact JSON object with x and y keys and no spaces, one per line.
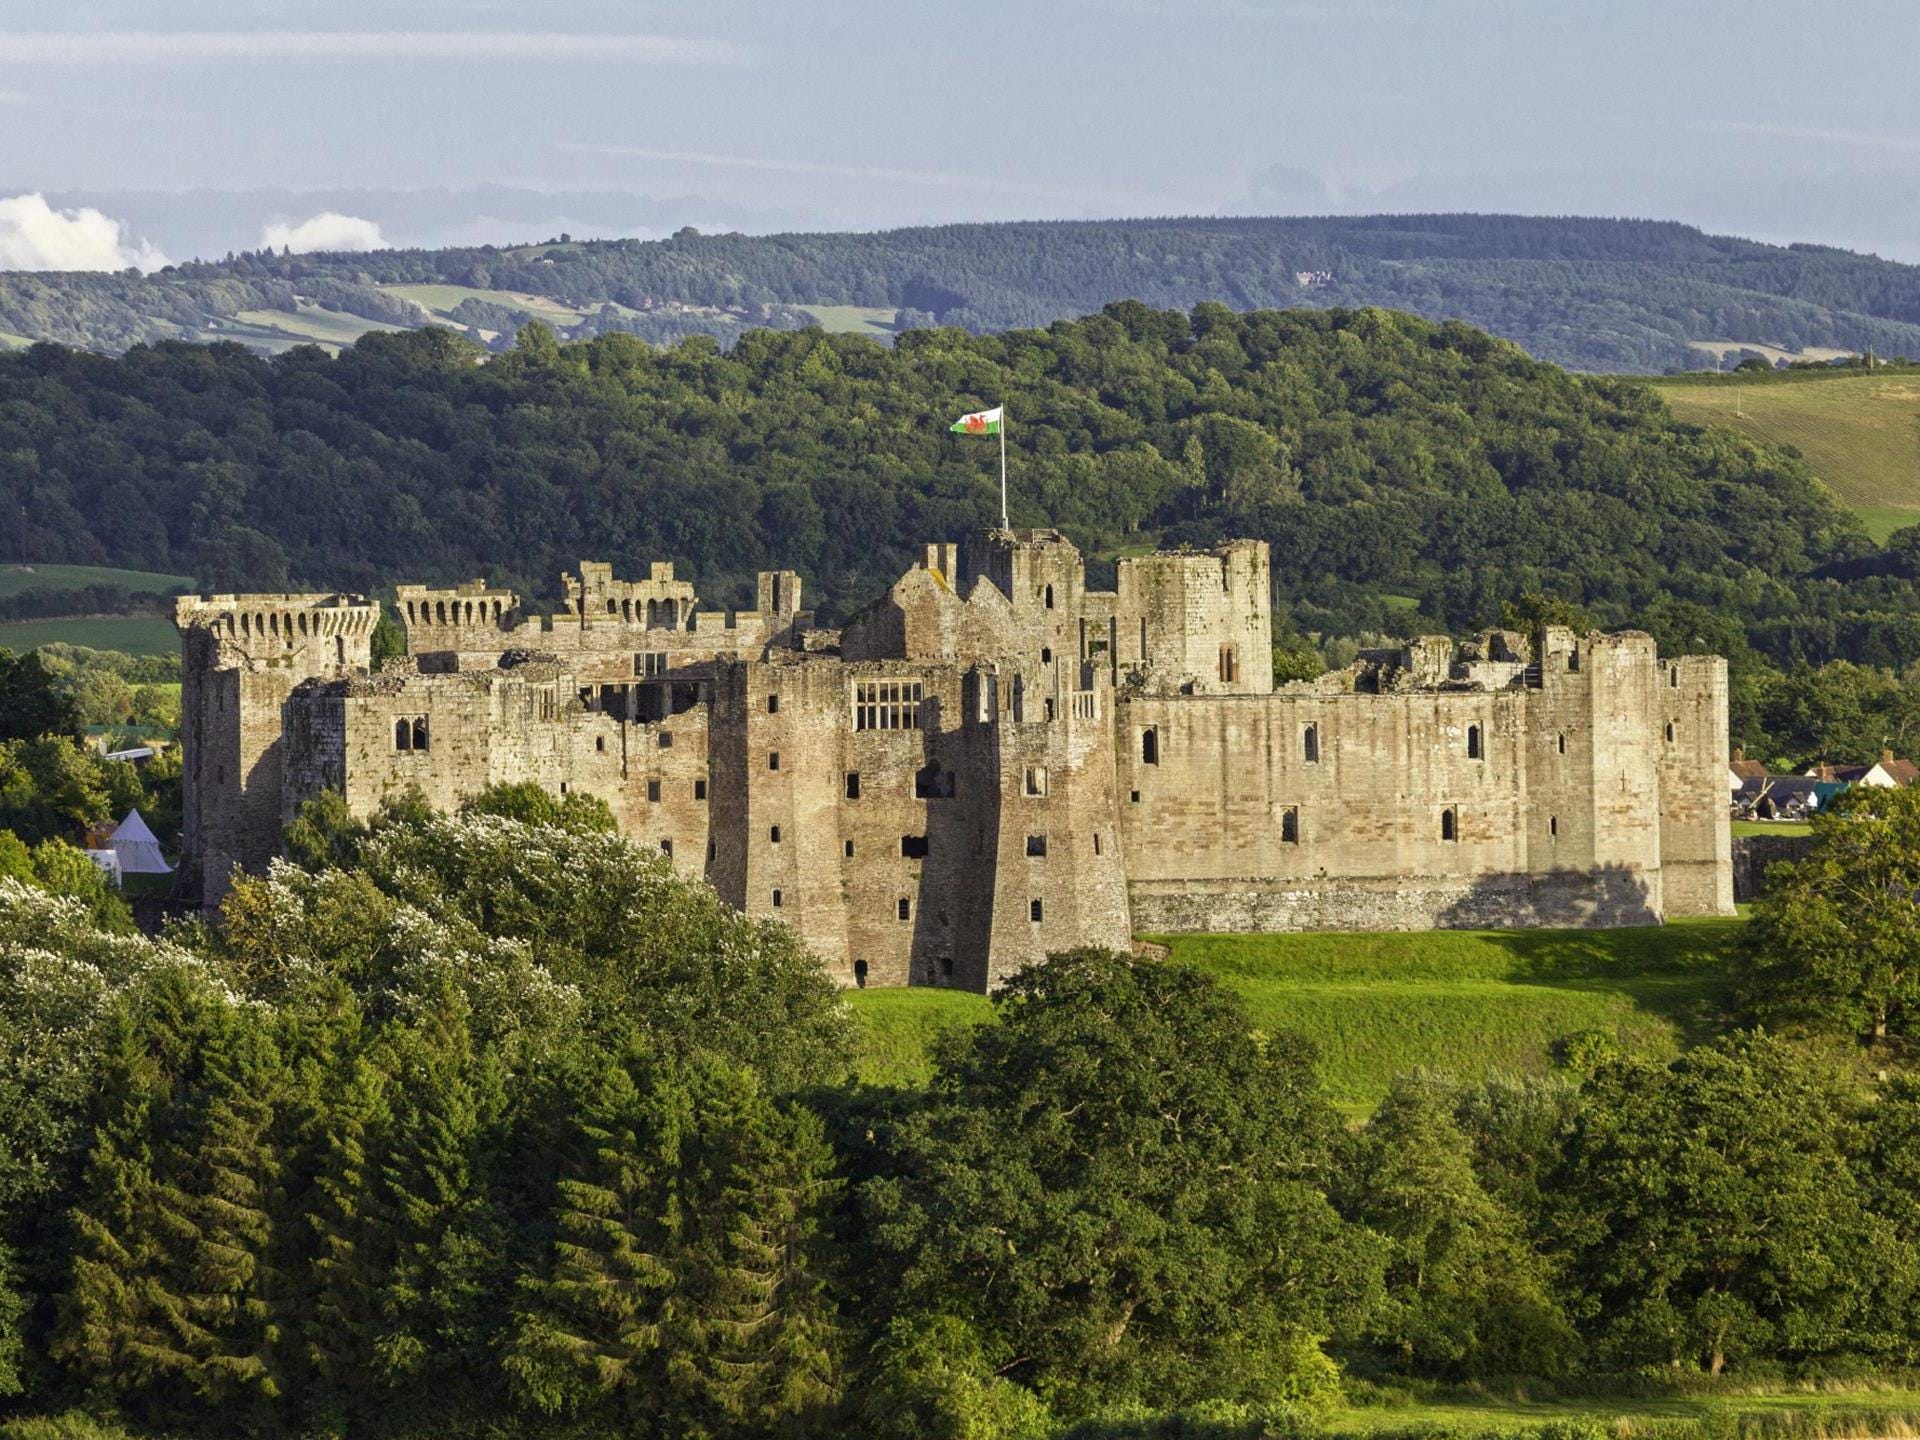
{"x":981,"y":422}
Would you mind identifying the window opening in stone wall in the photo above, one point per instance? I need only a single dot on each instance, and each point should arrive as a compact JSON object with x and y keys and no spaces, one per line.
{"x":1135,"y":797}
{"x":860,"y":973}
{"x":1049,"y":595}
{"x":1310,"y":744}
{"x":1573,"y":659}
{"x":913,"y":847}
{"x":1562,"y":742}
{"x":1036,"y":845}
{"x":1669,"y":732}
{"x":712,"y":850}
{"x":420,"y":733}
{"x":776,"y":899}
{"x":1229,"y":664}
{"x":1673,"y":677}
{"x":666,"y":739}
{"x":1290,"y":825}
{"x":1149,"y":747}
{"x":849,"y":849}
{"x":1049,"y":709}
{"x":1046,"y":655}
{"x":946,"y":966}
{"x":773,"y":834}
{"x":1473,"y":742}
{"x":1036,"y":780}
{"x":932,"y":783}
{"x":563,"y":787}
{"x":886,"y":705}
{"x":402,"y":735}
{"x":773,"y":704}
{"x":853,"y":784}
{"x":666,"y":847}
{"x":650,"y":663}
{"x":1553,"y":825}
{"x":906,"y":909}
{"x":699,"y":789}
{"x":653,"y":792}
{"x":1035,"y":912}
{"x":1098,"y":848}
{"x":1449,"y":825}
{"x":773,"y":760}
{"x":600,"y":744}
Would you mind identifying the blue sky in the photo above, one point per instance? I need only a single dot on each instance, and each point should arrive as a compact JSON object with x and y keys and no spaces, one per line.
{"x":1768,"y":118}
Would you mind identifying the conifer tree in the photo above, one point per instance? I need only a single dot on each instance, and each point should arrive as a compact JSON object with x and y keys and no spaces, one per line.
{"x":750,"y":1339}
{"x":588,"y":1330}
{"x":173,"y":1285}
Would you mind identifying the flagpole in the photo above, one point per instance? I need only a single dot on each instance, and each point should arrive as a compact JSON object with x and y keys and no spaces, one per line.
{"x":1003,"y":467}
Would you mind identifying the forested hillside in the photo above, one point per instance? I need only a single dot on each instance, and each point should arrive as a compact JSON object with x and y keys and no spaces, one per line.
{"x":1408,"y":475}
{"x":1601,"y":295}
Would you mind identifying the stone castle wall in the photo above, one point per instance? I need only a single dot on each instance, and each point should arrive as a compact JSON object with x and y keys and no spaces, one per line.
{"x":994,"y":762}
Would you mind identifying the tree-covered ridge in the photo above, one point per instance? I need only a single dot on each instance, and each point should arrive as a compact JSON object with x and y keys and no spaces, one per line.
{"x":1407,"y":474}
{"x":1593,"y":294}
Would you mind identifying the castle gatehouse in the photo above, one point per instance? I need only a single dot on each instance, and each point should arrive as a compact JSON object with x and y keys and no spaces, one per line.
{"x":993,"y":761}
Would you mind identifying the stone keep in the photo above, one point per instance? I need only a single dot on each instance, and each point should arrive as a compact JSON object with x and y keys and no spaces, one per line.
{"x":993,"y":762}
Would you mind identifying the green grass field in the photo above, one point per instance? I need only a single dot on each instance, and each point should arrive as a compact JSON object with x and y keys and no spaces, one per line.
{"x":16,"y":578}
{"x":1468,"y":1002}
{"x":133,"y":634}
{"x":1859,"y":431}
{"x":313,"y":326}
{"x":443,"y":299}
{"x":853,"y":319}
{"x":1872,"y":1412}
{"x":1771,"y":827}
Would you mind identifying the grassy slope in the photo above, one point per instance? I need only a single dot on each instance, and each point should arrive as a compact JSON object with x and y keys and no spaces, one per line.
{"x":1859,"y":431}
{"x":318,"y":326}
{"x":16,"y":578}
{"x":134,"y":634}
{"x":443,"y":299}
{"x":853,"y":319}
{"x":1378,"y":1005}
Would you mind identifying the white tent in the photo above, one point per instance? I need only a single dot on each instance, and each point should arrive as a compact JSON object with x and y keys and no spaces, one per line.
{"x":139,"y":852}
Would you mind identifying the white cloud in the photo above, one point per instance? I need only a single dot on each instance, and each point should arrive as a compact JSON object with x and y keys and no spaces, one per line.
{"x":173,"y":47}
{"x":35,"y":236}
{"x":329,"y":230}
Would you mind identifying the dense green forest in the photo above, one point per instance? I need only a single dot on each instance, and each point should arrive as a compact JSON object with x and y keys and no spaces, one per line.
{"x":1591,"y":294}
{"x":489,"y":1125}
{"x":1408,"y":475}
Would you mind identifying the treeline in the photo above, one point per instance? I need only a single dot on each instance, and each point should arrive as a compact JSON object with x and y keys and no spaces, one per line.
{"x":1600,"y":295}
{"x":489,"y":1125}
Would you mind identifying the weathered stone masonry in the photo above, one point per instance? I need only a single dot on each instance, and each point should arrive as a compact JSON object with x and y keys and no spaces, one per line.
{"x":994,"y":762}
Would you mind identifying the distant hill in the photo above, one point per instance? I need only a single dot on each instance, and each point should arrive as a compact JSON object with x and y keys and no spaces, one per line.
{"x":1858,"y":430}
{"x":1600,"y":295}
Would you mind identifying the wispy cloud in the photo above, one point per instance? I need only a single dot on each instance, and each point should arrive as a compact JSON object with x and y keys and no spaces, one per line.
{"x":1858,"y":139}
{"x":175,"y":47}
{"x":936,"y":179}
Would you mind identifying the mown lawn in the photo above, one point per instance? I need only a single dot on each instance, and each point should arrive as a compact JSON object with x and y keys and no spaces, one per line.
{"x":1468,"y":1002}
{"x":1729,"y":1408}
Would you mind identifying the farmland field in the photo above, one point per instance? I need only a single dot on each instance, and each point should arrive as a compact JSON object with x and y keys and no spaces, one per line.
{"x":443,"y":299}
{"x":16,"y":578}
{"x":133,"y":634}
{"x":1469,"y":1002}
{"x":321,"y":327}
{"x":1859,"y":431}
{"x":853,"y":319}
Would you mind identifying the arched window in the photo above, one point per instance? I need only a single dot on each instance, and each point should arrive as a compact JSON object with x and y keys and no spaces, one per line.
{"x":1553,"y":825}
{"x":1049,"y":596}
{"x":1149,"y":747}
{"x":1473,"y":742}
{"x":1449,"y":825}
{"x":420,"y":733}
{"x":1310,"y":744}
{"x":402,"y":735}
{"x":1669,"y":732}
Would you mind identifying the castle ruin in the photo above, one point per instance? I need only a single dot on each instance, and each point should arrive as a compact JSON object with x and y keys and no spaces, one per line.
{"x":992,"y":762}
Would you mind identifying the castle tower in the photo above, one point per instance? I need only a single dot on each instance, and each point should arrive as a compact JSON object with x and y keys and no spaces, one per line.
{"x":1201,"y":623}
{"x":241,"y":656}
